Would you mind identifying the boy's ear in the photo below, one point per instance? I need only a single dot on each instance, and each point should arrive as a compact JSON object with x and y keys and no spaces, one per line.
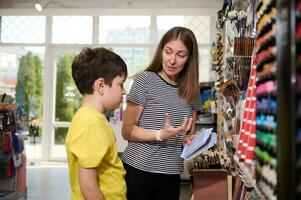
{"x":99,"y":85}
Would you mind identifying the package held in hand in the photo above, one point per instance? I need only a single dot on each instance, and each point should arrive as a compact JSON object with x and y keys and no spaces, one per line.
{"x":203,"y":140}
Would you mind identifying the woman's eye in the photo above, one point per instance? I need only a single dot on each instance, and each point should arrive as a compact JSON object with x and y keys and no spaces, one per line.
{"x":168,"y":51}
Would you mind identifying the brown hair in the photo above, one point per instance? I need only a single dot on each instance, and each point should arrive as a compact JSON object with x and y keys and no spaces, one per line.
{"x":188,"y":79}
{"x":92,"y":64}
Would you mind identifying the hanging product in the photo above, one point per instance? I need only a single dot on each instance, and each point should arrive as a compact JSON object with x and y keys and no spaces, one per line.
{"x":247,"y":136}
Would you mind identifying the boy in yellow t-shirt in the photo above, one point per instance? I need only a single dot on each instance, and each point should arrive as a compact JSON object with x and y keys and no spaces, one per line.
{"x":95,"y":170}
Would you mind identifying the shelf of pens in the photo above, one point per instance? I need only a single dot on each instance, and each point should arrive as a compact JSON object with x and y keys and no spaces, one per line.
{"x":266,"y":102}
{"x":298,"y":96}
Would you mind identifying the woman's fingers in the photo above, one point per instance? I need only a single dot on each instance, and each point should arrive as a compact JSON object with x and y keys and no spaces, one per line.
{"x":167,"y":120}
{"x":186,"y":125}
{"x":170,"y":131}
{"x":189,"y":124}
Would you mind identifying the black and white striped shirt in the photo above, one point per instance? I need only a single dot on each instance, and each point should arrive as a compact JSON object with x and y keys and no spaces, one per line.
{"x":157,"y":97}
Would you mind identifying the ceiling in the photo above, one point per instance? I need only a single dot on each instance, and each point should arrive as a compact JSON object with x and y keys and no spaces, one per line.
{"x":107,"y":4}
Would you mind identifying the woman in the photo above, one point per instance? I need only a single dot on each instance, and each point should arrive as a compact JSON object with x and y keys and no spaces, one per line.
{"x":159,"y":113}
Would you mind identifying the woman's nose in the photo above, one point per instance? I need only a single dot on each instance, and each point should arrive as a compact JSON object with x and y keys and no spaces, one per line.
{"x":172,"y":58}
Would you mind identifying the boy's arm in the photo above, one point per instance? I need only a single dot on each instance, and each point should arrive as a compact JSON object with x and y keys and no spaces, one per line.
{"x":88,"y":184}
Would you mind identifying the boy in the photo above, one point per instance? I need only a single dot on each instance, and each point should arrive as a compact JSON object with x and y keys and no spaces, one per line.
{"x":95,"y":170}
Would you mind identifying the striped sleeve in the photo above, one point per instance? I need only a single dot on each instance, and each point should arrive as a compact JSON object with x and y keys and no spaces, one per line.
{"x":139,"y":90}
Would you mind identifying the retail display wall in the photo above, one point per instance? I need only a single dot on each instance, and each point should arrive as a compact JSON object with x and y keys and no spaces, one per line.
{"x":13,"y":131}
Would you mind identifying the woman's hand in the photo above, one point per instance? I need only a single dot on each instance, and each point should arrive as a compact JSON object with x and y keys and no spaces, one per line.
{"x":170,"y":131}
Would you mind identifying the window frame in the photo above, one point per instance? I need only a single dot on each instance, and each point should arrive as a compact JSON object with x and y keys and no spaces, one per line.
{"x":49,"y":124}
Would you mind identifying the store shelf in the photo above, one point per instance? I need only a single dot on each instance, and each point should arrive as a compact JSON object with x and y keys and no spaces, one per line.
{"x":267,"y":129}
{"x":201,"y":123}
{"x":245,"y":171}
{"x":15,"y":196}
{"x":267,"y":111}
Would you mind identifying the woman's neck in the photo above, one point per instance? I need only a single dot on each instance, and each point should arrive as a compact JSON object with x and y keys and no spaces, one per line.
{"x":168,"y":79}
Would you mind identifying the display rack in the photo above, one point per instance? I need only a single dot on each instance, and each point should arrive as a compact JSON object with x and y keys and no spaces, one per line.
{"x":233,"y":62}
{"x":237,"y":68}
{"x":288,"y":115}
{"x":279,"y":147}
{"x":246,"y":173}
{"x":13,"y":131}
{"x":206,"y":117}
{"x":266,"y":94}
{"x":296,"y":20}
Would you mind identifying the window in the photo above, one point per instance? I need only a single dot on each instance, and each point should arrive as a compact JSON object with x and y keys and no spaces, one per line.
{"x":72,"y":30}
{"x":198,"y":24}
{"x":21,"y":76}
{"x":22,"y":29}
{"x":22,"y":40}
{"x":124,"y":29}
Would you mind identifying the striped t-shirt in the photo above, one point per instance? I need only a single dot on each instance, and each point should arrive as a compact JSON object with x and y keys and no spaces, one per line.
{"x":157,"y":97}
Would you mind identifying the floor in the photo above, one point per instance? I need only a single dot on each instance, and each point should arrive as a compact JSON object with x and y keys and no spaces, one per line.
{"x":49,"y":181}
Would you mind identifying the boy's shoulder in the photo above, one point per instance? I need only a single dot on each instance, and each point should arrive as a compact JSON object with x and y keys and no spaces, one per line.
{"x":87,"y":114}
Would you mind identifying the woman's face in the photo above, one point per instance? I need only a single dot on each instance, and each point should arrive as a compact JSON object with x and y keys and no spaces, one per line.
{"x":174,"y":57}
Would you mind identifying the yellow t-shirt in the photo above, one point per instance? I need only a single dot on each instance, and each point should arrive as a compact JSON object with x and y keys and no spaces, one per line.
{"x":91,"y":143}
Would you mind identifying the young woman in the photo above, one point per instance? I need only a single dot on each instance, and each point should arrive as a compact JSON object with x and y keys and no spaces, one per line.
{"x":158,"y":116}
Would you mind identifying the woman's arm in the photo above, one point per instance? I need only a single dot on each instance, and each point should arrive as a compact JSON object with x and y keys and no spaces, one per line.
{"x":88,"y":184}
{"x":131,"y":131}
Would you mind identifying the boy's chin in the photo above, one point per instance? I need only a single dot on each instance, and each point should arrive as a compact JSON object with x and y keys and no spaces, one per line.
{"x":113,"y":107}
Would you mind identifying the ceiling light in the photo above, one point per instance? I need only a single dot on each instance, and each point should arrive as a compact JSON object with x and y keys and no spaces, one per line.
{"x":41,"y":5}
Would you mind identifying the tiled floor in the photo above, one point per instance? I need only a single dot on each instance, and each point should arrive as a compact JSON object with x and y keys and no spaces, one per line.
{"x":50,"y":181}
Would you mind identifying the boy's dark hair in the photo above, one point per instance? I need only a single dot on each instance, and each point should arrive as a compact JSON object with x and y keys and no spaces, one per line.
{"x":95,"y":63}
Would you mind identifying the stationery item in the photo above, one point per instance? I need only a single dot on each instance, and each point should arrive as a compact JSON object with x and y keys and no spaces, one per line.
{"x":204,"y":140}
{"x":210,"y":159}
{"x":247,"y":135}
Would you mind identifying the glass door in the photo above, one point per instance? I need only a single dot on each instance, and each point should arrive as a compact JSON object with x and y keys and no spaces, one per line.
{"x":66,"y":100}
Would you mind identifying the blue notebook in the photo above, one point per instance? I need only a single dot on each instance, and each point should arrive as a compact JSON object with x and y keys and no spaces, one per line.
{"x":203,"y":140}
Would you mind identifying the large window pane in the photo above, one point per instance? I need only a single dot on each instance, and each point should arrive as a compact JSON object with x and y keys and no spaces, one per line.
{"x":22,"y":29}
{"x":68,"y":99}
{"x":205,"y":72}
{"x":200,"y":25}
{"x":124,"y":29}
{"x":33,"y":145}
{"x":21,"y":77}
{"x":58,"y":148}
{"x":205,"y":58}
{"x":72,"y":29}
{"x":136,"y":60}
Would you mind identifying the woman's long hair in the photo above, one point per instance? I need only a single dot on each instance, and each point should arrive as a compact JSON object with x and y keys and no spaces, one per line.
{"x":188,"y":79}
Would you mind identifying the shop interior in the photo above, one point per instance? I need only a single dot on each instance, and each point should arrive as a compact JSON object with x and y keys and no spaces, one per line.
{"x":249,"y":88}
